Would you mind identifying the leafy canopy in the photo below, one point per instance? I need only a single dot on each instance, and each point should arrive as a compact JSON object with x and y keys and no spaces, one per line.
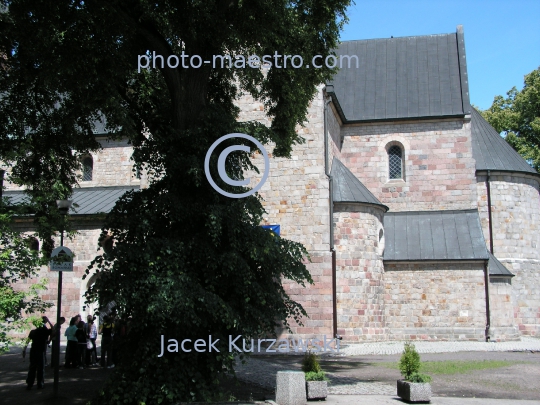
{"x":518,"y":116}
{"x":17,"y":262}
{"x":187,"y":262}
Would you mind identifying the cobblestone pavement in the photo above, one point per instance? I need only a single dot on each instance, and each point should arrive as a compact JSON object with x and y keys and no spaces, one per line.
{"x":263,"y":372}
{"x":526,"y":344}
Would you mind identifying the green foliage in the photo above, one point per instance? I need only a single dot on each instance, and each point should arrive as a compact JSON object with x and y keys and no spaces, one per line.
{"x":419,"y":378}
{"x":310,"y":363}
{"x":518,"y":117}
{"x":450,"y":367}
{"x":316,"y":376}
{"x":409,"y":364}
{"x":187,"y":262}
{"x":17,"y":262}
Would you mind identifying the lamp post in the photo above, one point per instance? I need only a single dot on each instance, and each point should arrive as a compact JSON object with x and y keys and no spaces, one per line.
{"x":63,"y":207}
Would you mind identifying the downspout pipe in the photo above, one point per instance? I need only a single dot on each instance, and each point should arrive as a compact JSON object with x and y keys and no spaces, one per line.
{"x":486,"y":269}
{"x":1,"y":184}
{"x":488,"y":188}
{"x":331,"y":216}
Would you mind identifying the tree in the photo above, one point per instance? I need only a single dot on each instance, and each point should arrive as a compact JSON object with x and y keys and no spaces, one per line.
{"x":187,"y":262}
{"x":17,"y":262}
{"x":518,"y":116}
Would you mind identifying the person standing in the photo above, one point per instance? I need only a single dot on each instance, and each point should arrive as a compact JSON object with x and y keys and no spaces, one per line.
{"x":91,"y":331}
{"x":71,"y":350}
{"x":39,"y":338}
{"x":54,"y":333}
{"x":106,"y":331}
{"x":80,"y":334}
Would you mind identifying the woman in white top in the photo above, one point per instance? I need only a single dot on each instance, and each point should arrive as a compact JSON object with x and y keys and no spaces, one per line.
{"x":91,"y":332}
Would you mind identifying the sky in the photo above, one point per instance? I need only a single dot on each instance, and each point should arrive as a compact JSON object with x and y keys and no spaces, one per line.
{"x":502,"y":38}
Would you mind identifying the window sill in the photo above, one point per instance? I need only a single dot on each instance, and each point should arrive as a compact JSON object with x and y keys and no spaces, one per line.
{"x":395,"y":182}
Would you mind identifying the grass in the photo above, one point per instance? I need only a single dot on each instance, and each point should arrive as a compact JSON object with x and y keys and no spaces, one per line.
{"x":456,"y":367}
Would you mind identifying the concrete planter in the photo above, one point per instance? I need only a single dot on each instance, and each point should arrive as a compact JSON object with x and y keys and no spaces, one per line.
{"x":316,"y":390}
{"x":414,"y":392}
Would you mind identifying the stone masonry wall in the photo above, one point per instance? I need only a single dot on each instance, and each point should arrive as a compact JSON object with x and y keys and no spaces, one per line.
{"x":84,"y":246}
{"x":515,"y":210}
{"x":296,"y":198}
{"x":360,"y":286}
{"x":438,"y":163}
{"x":435,"y":301}
{"x":503,"y":326}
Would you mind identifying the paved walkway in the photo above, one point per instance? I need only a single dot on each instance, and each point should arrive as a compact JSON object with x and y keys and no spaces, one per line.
{"x":526,"y":344}
{"x":394,"y":400}
{"x":263,"y":373}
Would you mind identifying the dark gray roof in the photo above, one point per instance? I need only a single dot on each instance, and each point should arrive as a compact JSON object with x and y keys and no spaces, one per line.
{"x":400,"y":78}
{"x":496,"y":268}
{"x":434,"y":236}
{"x":99,"y":126}
{"x":347,"y":187}
{"x":90,"y":201}
{"x":491,"y":151}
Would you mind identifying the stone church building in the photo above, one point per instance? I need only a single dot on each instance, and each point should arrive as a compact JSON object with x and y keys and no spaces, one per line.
{"x":420,"y":220}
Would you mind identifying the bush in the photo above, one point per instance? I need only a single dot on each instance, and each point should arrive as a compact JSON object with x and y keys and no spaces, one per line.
{"x":409,"y":365}
{"x":419,"y":378}
{"x":313,"y":376}
{"x":310,"y":363}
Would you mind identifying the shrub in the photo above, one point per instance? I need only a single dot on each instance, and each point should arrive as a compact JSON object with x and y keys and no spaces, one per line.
{"x":310,"y":363}
{"x":419,"y":378}
{"x":313,"y":376}
{"x":409,"y":365}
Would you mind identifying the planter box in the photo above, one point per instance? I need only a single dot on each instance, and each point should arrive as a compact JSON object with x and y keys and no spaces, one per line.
{"x":414,"y":392}
{"x":316,"y":390}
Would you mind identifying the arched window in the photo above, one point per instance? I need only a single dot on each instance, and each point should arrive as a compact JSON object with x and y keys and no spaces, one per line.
{"x":395,"y":162}
{"x":88,"y":167}
{"x":33,"y":244}
{"x":107,"y":244}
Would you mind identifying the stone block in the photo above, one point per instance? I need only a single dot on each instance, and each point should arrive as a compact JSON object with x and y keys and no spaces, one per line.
{"x":414,"y":392}
{"x":316,"y":390}
{"x":290,"y":388}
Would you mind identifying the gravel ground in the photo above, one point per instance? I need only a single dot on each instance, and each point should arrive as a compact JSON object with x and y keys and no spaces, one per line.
{"x":353,"y":370}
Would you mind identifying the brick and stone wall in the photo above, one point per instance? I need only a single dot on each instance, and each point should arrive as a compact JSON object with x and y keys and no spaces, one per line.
{"x":112,"y":166}
{"x":503,"y":325}
{"x":296,"y":198}
{"x":438,"y":163}
{"x":84,"y":246}
{"x":515,"y":211}
{"x":435,"y":301}
{"x":358,"y":240}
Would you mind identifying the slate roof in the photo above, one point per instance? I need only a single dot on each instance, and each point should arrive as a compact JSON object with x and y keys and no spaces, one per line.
{"x":434,"y":236}
{"x":496,"y":268}
{"x":491,"y":151}
{"x":90,"y":201}
{"x":348,"y":189}
{"x":400,"y":78}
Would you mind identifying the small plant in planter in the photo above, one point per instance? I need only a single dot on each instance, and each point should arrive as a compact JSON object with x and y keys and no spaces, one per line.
{"x":415,"y":386}
{"x":316,"y":381}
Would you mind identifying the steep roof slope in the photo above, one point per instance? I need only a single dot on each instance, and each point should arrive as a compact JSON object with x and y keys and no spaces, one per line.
{"x":402,"y":78}
{"x":491,"y":151}
{"x":348,"y":189}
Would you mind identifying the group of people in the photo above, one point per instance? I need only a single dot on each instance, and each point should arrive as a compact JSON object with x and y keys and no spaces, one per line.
{"x":81,"y":348}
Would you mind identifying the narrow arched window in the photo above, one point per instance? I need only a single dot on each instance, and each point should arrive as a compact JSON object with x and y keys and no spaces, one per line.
{"x":88,"y":167}
{"x":33,"y":244}
{"x":395,"y":162}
